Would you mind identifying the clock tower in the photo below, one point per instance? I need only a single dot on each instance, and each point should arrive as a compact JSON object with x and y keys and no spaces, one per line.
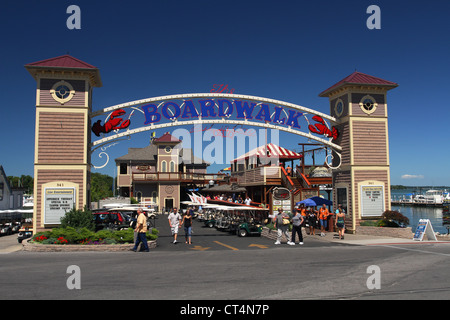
{"x":361,"y":185}
{"x":62,"y":139}
{"x":168,"y":171}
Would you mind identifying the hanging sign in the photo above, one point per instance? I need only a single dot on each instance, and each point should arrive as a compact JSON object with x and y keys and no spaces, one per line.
{"x":424,"y":227}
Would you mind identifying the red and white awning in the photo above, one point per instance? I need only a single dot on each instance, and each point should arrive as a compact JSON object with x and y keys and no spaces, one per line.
{"x":272,"y":151}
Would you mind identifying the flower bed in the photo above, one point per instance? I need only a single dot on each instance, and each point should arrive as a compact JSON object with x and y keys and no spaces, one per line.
{"x":71,"y":239}
{"x":37,"y":247}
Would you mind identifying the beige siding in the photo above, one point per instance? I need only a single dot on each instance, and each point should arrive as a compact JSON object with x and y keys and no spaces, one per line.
{"x":369,"y":142}
{"x":344,"y":141}
{"x":61,"y":138}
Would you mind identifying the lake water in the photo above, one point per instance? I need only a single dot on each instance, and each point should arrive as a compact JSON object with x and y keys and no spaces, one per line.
{"x":415,"y":213}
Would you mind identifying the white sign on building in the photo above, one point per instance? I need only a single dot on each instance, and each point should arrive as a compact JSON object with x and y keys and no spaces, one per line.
{"x":372,"y":201}
{"x":57,"y":201}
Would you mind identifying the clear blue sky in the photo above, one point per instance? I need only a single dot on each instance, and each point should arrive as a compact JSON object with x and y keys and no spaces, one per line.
{"x":285,"y":50}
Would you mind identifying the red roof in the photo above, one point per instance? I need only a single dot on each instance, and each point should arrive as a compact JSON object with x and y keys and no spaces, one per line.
{"x":167,"y":137}
{"x":64,"y":61}
{"x":272,"y":151}
{"x":359,"y":78}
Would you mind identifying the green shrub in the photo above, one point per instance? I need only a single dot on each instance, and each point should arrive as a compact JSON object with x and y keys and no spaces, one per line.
{"x":49,"y":241}
{"x":86,"y":236}
{"x":78,"y":219}
{"x":395,"y":216}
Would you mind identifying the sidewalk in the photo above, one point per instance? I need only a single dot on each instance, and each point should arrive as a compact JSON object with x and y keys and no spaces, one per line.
{"x":365,"y":240}
{"x":355,"y":239}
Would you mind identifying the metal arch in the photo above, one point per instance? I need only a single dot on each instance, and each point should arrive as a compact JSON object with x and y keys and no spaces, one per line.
{"x":216,"y":121}
{"x":212,"y":95}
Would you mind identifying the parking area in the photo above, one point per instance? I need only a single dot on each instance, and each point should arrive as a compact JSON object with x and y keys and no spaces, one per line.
{"x":210,"y":239}
{"x":9,"y":244}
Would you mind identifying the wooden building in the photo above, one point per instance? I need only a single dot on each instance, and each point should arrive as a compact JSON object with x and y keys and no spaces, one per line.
{"x":265,"y":169}
{"x":161,"y":173}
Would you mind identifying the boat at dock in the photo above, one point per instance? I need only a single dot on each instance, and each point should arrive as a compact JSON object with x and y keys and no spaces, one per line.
{"x":431,"y":197}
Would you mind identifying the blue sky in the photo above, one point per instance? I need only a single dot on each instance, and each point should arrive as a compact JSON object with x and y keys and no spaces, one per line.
{"x":285,"y":50}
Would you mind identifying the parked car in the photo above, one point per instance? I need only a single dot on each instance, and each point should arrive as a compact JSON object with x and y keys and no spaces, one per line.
{"x":111,"y":219}
{"x":5,"y":229}
{"x":130,"y":213}
{"x":25,"y":232}
{"x":15,"y":226}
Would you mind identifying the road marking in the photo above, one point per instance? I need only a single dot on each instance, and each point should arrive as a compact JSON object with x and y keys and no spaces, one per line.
{"x":416,"y":250}
{"x":225,"y":245}
{"x":200,"y":248}
{"x":261,"y":246}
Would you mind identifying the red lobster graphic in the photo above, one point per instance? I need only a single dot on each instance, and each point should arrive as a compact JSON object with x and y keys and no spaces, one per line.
{"x":113,"y":123}
{"x":321,"y":128}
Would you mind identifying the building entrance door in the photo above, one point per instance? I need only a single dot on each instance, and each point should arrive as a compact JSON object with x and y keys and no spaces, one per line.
{"x":168,"y":204}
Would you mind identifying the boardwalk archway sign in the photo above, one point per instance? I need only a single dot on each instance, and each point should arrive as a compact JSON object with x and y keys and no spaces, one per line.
{"x":355,"y":132}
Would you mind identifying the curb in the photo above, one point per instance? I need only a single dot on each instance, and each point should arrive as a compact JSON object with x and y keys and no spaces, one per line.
{"x":32,"y":247}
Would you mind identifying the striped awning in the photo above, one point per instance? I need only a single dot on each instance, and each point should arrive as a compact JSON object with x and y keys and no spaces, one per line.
{"x":272,"y":151}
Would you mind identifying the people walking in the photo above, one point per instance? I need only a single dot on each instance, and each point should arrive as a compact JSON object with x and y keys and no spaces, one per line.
{"x":282,"y":222}
{"x":141,"y":230}
{"x":187,"y":221}
{"x":297,"y":221}
{"x":174,"y":222}
{"x":312,"y":220}
{"x":340,"y":222}
{"x":323,"y":218}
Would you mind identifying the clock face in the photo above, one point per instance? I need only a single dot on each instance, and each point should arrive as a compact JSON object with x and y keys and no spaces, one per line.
{"x":168,"y":149}
{"x":169,"y":189}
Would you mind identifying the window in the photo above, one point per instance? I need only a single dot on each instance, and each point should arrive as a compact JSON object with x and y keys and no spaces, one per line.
{"x":123,"y":168}
{"x":341,"y":195}
{"x":368,"y":104}
{"x":172,"y":166}
{"x":163,"y":166}
{"x":62,"y":92}
{"x":339,"y":107}
{"x":139,"y":196}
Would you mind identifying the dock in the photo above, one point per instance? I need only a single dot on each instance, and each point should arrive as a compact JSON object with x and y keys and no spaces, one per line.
{"x":418,"y":204}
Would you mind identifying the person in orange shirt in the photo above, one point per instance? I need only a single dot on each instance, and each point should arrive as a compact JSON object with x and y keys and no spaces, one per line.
{"x":302,"y":211}
{"x":323,"y":216}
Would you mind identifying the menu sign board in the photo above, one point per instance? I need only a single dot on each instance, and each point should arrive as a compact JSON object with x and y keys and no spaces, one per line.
{"x":372,"y":201}
{"x":57,"y":201}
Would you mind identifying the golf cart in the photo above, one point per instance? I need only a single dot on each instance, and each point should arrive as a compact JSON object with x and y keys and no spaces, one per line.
{"x":252,"y":224}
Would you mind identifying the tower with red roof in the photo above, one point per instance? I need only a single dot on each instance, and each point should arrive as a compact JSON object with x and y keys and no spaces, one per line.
{"x":62,"y":154}
{"x":362,"y":182}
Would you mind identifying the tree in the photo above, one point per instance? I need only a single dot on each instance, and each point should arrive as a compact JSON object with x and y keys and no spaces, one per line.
{"x":101,"y":186}
{"x":24,"y":181}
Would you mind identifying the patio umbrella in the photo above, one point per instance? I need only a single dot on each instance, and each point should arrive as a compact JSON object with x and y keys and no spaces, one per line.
{"x":307,"y":202}
{"x":315,"y":201}
{"x":320,"y":201}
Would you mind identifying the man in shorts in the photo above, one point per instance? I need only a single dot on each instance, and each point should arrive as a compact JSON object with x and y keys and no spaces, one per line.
{"x":174,"y":221}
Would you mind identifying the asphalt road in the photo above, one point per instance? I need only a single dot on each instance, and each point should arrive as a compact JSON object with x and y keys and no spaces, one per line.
{"x":218,"y":266}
